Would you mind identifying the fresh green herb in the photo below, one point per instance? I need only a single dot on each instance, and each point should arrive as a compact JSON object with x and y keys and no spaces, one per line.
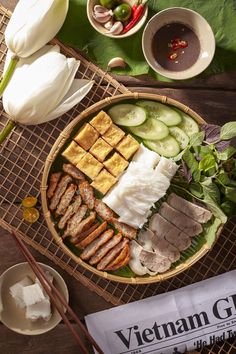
{"x":207,"y":162}
{"x":196,"y":139}
{"x":209,"y":169}
{"x":192,"y":164}
{"x":228,"y":131}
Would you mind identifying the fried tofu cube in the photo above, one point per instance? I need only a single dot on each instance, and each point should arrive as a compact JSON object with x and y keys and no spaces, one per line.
{"x":113,"y":135}
{"x":101,"y":122}
{"x":128,"y":146}
{"x":100,"y":149}
{"x":86,"y":136}
{"x":89,"y":165}
{"x":73,"y":153}
{"x":104,"y":181}
{"x":116,"y":164}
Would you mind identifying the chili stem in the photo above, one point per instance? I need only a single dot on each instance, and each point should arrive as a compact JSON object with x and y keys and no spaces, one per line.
{"x":6,"y":131}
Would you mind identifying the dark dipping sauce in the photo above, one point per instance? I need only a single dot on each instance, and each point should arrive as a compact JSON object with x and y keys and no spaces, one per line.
{"x":164,"y":49}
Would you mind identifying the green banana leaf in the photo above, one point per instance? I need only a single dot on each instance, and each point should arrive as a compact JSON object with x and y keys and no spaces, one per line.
{"x":220,"y":14}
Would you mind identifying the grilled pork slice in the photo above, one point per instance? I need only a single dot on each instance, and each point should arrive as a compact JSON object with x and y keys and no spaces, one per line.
{"x":121,"y":260}
{"x":112,"y":254}
{"x":73,"y":171}
{"x":154,"y":261}
{"x":101,"y":228}
{"x":54,"y":179}
{"x":86,"y":192}
{"x":171,"y":233}
{"x":75,"y":220}
{"x":60,"y":190}
{"x":84,"y":225}
{"x":72,"y":209}
{"x":91,"y":249}
{"x":165,"y":248}
{"x":66,"y":199}
{"x":126,"y":230}
{"x":81,"y":236}
{"x":105,"y":249}
{"x":192,"y":210}
{"x":180,"y":220}
{"x":103,"y":210}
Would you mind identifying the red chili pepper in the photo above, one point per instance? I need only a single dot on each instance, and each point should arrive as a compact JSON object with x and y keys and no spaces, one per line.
{"x":137,"y":14}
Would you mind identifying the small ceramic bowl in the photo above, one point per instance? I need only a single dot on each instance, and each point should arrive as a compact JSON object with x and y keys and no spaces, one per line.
{"x":12,"y":316}
{"x":190,"y":19}
{"x":100,"y":28}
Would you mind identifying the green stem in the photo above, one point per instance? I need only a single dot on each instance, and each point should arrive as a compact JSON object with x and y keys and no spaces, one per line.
{"x":8,"y":74}
{"x":6,"y":131}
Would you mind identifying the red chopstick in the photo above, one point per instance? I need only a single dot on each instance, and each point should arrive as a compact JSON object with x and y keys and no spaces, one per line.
{"x":56,"y":298}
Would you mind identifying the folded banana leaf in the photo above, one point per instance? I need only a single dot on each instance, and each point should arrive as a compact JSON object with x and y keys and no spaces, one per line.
{"x":220,"y":14}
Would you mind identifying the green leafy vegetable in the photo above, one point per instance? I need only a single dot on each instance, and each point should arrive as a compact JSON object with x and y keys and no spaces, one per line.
{"x":230,"y":194}
{"x":192,"y":164}
{"x":207,"y":163}
{"x":210,"y":200}
{"x":228,"y":131}
{"x":196,"y":139}
{"x":226,"y":154}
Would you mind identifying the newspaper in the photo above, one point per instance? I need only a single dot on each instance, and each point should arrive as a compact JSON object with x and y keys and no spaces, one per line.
{"x":185,"y":319}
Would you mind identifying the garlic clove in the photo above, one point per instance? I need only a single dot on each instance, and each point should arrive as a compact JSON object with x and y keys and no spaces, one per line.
{"x":101,"y":9}
{"x":117,"y":28}
{"x":101,"y":18}
{"x":101,"y":14}
{"x":108,"y":25}
{"x":116,"y":63}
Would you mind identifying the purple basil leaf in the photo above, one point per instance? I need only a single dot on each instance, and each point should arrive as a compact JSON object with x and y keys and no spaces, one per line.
{"x":222,"y":145}
{"x":212,"y":132}
{"x":185,"y":172}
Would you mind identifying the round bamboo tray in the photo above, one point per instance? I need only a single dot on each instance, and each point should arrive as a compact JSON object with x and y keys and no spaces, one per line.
{"x":65,"y":134}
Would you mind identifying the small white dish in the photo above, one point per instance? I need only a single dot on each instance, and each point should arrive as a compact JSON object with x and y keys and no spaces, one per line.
{"x":12,"y":316}
{"x":197,"y":24}
{"x":100,"y":28}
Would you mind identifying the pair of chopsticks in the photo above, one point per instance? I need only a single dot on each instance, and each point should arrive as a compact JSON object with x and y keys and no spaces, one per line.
{"x":56,"y":298}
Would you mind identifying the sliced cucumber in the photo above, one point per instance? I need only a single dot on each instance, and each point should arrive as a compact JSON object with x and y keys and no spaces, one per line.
{"x":128,"y":115}
{"x":181,"y":137}
{"x":167,"y":147}
{"x":162,"y":112}
{"x":152,"y":129}
{"x":188,"y":124}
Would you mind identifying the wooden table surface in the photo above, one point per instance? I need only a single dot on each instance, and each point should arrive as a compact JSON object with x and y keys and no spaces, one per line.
{"x":214,"y":98}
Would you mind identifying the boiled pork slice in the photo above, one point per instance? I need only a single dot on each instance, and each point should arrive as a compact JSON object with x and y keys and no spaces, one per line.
{"x":165,"y":248}
{"x":192,"y":210}
{"x":154,"y":261}
{"x":180,"y":220}
{"x":145,"y":239}
{"x":169,"y":232}
{"x":135,"y":263}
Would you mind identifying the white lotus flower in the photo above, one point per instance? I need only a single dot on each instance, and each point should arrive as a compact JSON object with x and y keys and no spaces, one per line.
{"x":33,"y":24}
{"x":43,"y":88}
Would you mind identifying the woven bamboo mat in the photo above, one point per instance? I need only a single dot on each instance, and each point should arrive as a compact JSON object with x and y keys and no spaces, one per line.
{"x":22,"y":158}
